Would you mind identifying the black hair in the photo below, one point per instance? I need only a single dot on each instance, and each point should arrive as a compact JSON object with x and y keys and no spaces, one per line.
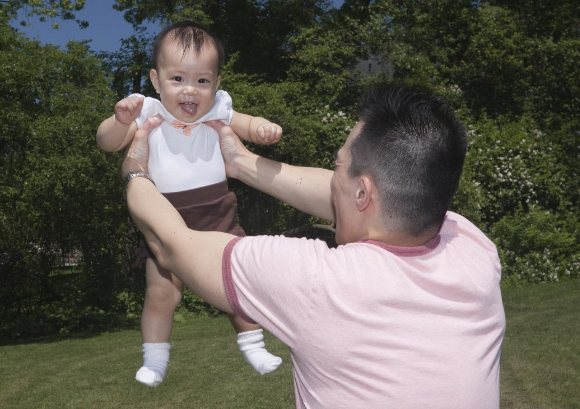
{"x":413,"y":146}
{"x":188,"y":34}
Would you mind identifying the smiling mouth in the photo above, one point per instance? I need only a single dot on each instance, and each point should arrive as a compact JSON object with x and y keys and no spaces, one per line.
{"x":189,"y":108}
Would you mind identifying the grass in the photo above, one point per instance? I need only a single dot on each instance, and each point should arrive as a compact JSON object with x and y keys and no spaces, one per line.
{"x":540,"y":363}
{"x":206,"y":371}
{"x":540,"y":366}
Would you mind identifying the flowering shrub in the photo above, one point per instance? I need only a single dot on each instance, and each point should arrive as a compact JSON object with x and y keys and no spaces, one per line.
{"x":538,"y":245}
{"x":516,"y":187}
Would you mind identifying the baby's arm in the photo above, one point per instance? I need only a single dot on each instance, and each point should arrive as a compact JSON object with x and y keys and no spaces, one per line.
{"x":117,"y":131}
{"x":255,"y":129}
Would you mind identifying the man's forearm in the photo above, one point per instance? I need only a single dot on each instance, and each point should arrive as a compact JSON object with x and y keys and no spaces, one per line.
{"x":194,"y":257}
{"x":306,"y":189}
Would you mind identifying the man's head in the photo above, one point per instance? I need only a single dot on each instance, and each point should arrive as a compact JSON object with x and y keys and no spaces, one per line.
{"x":186,"y":61}
{"x":412,"y":147}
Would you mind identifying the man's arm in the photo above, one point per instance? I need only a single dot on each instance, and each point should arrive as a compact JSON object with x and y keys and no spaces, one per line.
{"x":194,"y":257}
{"x":306,"y":189}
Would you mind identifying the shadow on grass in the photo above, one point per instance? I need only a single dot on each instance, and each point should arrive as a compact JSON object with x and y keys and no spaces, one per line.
{"x":34,"y":332}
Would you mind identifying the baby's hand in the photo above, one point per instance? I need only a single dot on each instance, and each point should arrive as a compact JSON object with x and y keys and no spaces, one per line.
{"x":128,"y":109}
{"x":268,"y":133}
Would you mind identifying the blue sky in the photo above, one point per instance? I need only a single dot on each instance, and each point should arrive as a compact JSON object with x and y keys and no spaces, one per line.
{"x":107,"y":27}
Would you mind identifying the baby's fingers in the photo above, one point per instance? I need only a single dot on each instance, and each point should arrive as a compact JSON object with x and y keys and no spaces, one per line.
{"x":129,"y":108}
{"x":269,"y":133}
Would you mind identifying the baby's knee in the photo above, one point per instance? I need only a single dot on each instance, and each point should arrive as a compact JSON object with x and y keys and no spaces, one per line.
{"x":160,"y":294}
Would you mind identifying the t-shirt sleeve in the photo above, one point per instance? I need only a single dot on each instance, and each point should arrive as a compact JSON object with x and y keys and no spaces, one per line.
{"x":272,"y":281}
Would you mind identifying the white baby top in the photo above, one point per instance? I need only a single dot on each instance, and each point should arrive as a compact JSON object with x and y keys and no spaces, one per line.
{"x":183,"y":159}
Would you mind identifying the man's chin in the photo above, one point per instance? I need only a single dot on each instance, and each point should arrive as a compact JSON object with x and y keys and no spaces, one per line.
{"x":339,"y":239}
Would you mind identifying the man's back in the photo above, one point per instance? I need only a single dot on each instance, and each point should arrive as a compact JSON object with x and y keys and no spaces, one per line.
{"x":380,"y":326}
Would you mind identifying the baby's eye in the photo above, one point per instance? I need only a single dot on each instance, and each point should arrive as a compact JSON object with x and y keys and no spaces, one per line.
{"x":203,"y":81}
{"x":177,"y":78}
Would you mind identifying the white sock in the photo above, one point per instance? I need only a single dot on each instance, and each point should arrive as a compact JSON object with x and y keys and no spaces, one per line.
{"x":155,"y":361}
{"x":252,"y":345}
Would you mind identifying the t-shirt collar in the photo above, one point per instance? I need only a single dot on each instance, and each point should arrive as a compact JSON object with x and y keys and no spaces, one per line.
{"x":408,"y":251}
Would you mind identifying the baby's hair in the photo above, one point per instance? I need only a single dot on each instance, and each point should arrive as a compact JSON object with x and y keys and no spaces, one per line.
{"x":189,"y":35}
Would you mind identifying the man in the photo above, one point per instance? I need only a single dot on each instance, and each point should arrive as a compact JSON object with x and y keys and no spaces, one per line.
{"x":406,"y":313}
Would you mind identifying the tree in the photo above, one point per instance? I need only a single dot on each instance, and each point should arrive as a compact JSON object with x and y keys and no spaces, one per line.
{"x":509,"y":68}
{"x":257,"y":31}
{"x":63,"y":9}
{"x":130,"y":66}
{"x":512,"y":70}
{"x":60,"y":203}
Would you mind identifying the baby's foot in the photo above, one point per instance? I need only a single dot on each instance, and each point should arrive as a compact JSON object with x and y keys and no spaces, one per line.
{"x":252,"y":345}
{"x":261,"y":360}
{"x":155,"y":361}
{"x":148,"y":377}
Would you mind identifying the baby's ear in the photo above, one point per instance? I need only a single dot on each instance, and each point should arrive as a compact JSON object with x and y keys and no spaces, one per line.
{"x":154,"y":79}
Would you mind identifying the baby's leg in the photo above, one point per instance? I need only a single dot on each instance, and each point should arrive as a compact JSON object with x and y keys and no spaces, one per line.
{"x":251,"y":343}
{"x":163,"y":293}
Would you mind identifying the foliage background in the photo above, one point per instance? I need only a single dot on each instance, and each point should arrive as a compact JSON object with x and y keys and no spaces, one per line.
{"x":510,"y":68}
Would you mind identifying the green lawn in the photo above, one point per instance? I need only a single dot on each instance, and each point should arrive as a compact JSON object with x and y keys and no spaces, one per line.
{"x":540,"y":365}
{"x":206,"y":371}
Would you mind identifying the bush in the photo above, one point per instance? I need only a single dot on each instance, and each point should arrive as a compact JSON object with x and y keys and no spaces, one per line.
{"x":538,"y":245}
{"x":516,"y":187}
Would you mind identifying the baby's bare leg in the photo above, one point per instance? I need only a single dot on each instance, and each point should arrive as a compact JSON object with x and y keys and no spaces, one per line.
{"x":163,"y":294}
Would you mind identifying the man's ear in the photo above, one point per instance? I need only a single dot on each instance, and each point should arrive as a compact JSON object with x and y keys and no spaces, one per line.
{"x":364,"y":193}
{"x":154,"y":79}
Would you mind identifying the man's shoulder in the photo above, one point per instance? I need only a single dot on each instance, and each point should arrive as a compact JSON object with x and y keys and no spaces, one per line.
{"x":456,"y":226}
{"x":283,"y":241}
{"x":454,"y":222}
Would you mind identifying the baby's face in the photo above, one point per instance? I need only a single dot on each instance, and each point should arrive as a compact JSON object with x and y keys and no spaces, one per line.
{"x":186,"y":83}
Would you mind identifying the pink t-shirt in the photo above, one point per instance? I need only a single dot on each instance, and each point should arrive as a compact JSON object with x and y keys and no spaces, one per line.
{"x":375,"y":326}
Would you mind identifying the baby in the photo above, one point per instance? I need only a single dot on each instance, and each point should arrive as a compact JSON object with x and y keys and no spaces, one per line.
{"x":186,"y":165}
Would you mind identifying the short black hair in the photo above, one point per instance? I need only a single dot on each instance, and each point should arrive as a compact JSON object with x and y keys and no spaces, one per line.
{"x":188,"y":34}
{"x":413,"y":146}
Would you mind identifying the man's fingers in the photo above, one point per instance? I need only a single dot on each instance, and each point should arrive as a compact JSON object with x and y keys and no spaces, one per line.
{"x":137,"y":155}
{"x":225,"y":132}
{"x":140,"y":146}
{"x":217,"y":125}
{"x":148,"y":126}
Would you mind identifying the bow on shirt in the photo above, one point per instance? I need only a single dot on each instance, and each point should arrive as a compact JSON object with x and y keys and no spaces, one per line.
{"x":186,"y":128}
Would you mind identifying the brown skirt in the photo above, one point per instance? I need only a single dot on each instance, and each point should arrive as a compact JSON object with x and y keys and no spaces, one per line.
{"x":208,"y":208}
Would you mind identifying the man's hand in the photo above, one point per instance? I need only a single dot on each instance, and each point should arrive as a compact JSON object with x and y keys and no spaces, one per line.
{"x":137,"y":155}
{"x":128,"y":109}
{"x":233,"y":150}
{"x":305,"y":188}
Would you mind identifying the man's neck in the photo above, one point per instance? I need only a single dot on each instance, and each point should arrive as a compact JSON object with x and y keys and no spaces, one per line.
{"x":400,"y":239}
